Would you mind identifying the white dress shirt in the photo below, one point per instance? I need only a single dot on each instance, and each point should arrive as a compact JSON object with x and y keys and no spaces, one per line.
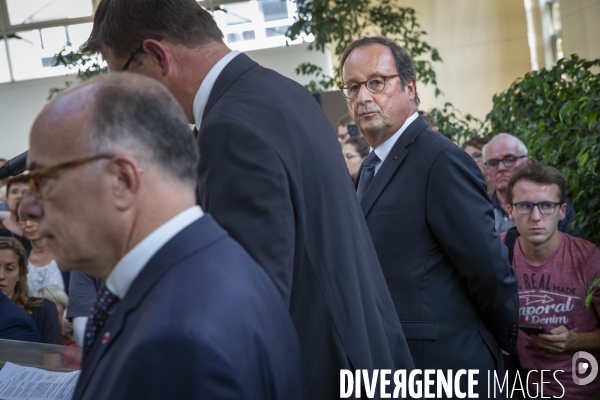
{"x":132,"y":263}
{"x":206,"y":87}
{"x":384,"y":148}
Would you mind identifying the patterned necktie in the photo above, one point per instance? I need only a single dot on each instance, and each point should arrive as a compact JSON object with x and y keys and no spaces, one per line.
{"x":105,"y":301}
{"x":367,"y":174}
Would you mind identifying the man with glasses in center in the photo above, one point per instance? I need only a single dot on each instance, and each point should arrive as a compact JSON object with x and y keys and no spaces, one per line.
{"x":426,"y":206}
{"x":504,"y":155}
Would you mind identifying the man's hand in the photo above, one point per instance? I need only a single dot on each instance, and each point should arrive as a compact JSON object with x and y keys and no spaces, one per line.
{"x":559,"y":340}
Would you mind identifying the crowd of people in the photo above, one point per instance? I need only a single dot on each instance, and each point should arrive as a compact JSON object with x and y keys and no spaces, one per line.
{"x":240,"y":261}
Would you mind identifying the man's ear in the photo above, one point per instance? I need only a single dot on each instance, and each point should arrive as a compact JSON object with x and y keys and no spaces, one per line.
{"x":563,"y":211}
{"x":127,"y":177}
{"x":510,"y":212}
{"x":529,"y":161}
{"x":161,"y":53}
{"x":411,"y":88}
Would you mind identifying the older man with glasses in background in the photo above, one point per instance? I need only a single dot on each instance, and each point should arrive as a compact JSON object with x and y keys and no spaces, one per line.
{"x":504,"y":155}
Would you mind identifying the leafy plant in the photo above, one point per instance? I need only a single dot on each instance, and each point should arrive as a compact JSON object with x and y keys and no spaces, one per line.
{"x":86,"y":66}
{"x":339,"y":22}
{"x":555,"y":113}
{"x":456,"y":126}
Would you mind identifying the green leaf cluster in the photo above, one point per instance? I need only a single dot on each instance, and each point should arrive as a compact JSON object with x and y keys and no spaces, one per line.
{"x":456,"y":126}
{"x":339,"y":22}
{"x":555,"y":112}
{"x":84,"y":65}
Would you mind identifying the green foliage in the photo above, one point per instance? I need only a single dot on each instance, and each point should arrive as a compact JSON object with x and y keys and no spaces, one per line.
{"x":339,"y":22}
{"x":85,"y":65}
{"x":456,"y":126}
{"x":555,"y":113}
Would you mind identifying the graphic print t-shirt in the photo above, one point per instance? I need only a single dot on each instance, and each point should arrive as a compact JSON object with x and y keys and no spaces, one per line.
{"x":551,"y":295}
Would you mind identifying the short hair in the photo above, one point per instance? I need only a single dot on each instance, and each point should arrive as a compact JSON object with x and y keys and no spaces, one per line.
{"x":476,"y":141}
{"x":16,"y":179}
{"x":541,"y":174}
{"x":345,"y":120}
{"x":123,"y":25}
{"x":54,"y":294}
{"x":360,"y":144}
{"x":404,"y":64}
{"x":520,"y":145}
{"x":21,"y":293}
{"x":139,"y":114}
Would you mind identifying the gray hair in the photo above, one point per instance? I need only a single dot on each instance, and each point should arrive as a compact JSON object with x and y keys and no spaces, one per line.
{"x":138,"y":114}
{"x":506,"y":136}
{"x":404,"y":64}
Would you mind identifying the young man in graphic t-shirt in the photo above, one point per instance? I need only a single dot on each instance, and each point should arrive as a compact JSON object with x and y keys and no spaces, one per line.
{"x":554,"y":271}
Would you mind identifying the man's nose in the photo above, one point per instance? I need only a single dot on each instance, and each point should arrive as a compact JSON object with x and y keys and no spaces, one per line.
{"x":501,"y":166}
{"x":363,"y":94}
{"x":31,"y":209}
{"x":536,"y":215}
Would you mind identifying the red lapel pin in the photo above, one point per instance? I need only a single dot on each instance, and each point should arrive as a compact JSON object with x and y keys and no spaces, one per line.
{"x":105,"y":337}
{"x":395,"y":157}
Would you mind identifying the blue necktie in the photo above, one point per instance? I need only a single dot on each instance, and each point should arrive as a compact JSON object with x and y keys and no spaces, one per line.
{"x":104,"y":303}
{"x":367,"y":174}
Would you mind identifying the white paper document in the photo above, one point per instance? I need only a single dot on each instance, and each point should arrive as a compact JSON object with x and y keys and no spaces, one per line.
{"x":17,"y":382}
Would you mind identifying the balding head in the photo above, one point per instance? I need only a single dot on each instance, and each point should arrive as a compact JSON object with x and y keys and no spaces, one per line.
{"x":112,"y":160}
{"x":123,"y":112}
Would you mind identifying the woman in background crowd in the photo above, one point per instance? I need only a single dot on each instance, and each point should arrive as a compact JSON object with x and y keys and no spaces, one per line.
{"x":474,"y":147}
{"x":61,"y":300}
{"x":355,"y":149}
{"x":15,"y":189}
{"x":13,"y":284}
{"x":42,"y":268}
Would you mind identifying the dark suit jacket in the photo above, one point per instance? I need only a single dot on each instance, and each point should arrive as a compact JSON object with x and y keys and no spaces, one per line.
{"x":201,"y":321}
{"x":433,"y":228}
{"x":15,"y":323}
{"x":45,"y":316}
{"x":272,"y":174}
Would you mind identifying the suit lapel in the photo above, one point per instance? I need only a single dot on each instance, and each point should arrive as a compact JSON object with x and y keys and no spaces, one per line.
{"x":390,"y":164}
{"x":236,"y":67}
{"x":192,"y":239}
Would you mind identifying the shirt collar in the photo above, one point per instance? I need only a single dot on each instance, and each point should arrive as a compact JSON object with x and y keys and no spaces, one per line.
{"x":132,"y":263}
{"x":496,"y":202}
{"x":384,"y":148}
{"x":206,"y":86}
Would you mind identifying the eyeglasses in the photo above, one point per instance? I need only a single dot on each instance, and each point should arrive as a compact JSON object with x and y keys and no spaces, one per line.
{"x":374,"y":85}
{"x":508,"y":161}
{"x":544,"y":207}
{"x":135,"y":53}
{"x":39,"y":177}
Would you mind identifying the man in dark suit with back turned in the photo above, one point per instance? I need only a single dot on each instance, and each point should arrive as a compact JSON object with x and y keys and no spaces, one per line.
{"x":272,"y":174}
{"x":193,"y":316}
{"x":431,"y":221}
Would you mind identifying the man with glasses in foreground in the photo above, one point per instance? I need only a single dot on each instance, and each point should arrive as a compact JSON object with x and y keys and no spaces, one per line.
{"x":431,"y":221}
{"x":185,"y":312}
{"x":554,"y":271}
{"x":504,"y":155}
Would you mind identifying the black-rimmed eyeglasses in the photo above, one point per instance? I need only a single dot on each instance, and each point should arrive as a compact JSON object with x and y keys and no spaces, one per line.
{"x":544,"y":207}
{"x":137,"y":51}
{"x":508,"y":161}
{"x":374,"y":85}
